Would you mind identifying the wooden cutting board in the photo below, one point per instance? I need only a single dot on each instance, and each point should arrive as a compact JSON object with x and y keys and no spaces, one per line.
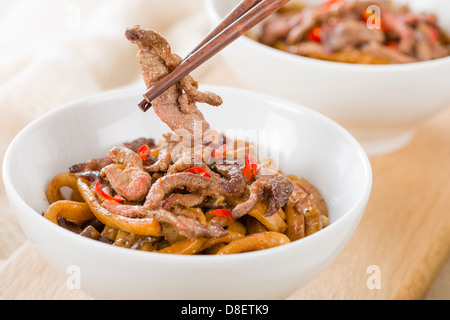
{"x":397,"y":251}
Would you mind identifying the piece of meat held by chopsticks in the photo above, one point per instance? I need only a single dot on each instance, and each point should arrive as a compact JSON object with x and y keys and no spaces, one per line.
{"x":177,"y":105}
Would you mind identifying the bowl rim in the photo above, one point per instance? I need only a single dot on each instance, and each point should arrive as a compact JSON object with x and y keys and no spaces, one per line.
{"x":13,"y":194}
{"x":209,"y":6}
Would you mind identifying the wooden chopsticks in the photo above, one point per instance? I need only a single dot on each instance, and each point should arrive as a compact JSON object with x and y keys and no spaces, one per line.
{"x":242,"y":18}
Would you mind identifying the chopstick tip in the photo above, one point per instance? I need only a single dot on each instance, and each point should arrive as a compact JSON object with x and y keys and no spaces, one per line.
{"x":144,"y":105}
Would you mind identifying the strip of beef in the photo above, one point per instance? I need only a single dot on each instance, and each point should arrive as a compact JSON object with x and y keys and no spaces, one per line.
{"x":349,"y":33}
{"x":314,"y":15}
{"x":91,"y":176}
{"x":188,"y":200}
{"x":428,"y":46}
{"x":398,"y":25}
{"x":199,"y":184}
{"x":268,"y":185}
{"x":234,"y":183}
{"x":191,"y":228}
{"x":310,"y":17}
{"x":256,"y":194}
{"x":137,"y":143}
{"x":279,"y":188}
{"x":131,"y":182}
{"x":275,"y":29}
{"x":99,"y":163}
{"x":176,"y":106}
{"x":187,"y":158}
{"x":386,"y":53}
{"x":91,"y":165}
{"x":186,"y":226}
{"x":162,"y":163}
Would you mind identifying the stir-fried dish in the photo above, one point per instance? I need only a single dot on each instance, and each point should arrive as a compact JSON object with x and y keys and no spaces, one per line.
{"x":356,"y":31}
{"x":183,"y":195}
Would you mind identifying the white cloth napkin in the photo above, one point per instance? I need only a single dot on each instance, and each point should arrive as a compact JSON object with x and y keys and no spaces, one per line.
{"x":54,"y":51}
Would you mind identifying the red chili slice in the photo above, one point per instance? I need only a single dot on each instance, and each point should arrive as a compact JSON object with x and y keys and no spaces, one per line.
{"x":315,"y":34}
{"x":221,"y":152}
{"x":365,"y":15}
{"x":223,"y":213}
{"x":105,"y":196}
{"x":250,"y":168}
{"x":434,"y":34}
{"x":143,"y":151}
{"x":198,"y":170}
{"x":392,"y":44}
{"x":329,"y":3}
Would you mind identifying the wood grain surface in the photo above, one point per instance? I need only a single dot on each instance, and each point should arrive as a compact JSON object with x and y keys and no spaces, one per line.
{"x":403,"y":238}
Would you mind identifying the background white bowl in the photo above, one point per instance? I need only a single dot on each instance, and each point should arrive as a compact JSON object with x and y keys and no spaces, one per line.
{"x":311,"y":146}
{"x":379,"y":105}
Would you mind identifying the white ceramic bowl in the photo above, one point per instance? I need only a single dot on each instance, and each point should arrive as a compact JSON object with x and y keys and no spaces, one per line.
{"x":311,"y":146}
{"x":380,"y":105}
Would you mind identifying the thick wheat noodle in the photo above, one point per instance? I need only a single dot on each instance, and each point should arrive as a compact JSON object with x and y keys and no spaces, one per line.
{"x":144,"y":226}
{"x":254,"y":226}
{"x":185,"y":246}
{"x":231,"y":236}
{"x":313,"y":218}
{"x":237,"y":227}
{"x":313,"y":193}
{"x":295,"y":222}
{"x":193,"y":246}
{"x":272,"y":223}
{"x":255,"y":242}
{"x":63,"y":179}
{"x":73,"y":211}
